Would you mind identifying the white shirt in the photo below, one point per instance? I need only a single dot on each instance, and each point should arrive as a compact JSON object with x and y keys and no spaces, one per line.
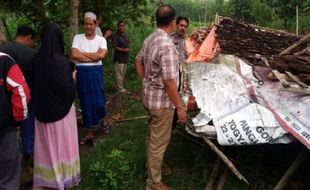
{"x":83,"y":44}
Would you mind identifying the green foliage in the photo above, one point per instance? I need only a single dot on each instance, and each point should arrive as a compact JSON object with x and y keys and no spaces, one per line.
{"x":117,"y":161}
{"x":269,"y":13}
{"x":112,"y":174}
{"x":258,"y":8}
{"x":286,"y":9}
{"x":195,"y":10}
{"x":241,"y":9}
{"x":40,"y":12}
{"x":138,"y":11}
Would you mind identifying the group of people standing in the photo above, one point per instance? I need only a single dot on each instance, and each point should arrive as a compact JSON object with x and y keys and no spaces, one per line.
{"x":48,"y":119}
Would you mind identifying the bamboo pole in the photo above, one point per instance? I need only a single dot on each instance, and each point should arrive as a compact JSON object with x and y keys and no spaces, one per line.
{"x":297,"y":20}
{"x":223,"y":179}
{"x":132,"y":119}
{"x":230,"y":165}
{"x":296,"y":79}
{"x":214,"y":173}
{"x":291,"y":170}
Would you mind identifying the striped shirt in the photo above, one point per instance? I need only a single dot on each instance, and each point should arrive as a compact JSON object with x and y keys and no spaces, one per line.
{"x":160,"y":59}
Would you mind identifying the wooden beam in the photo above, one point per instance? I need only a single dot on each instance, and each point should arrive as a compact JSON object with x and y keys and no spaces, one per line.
{"x":296,"y":79}
{"x":220,"y":185}
{"x":291,"y":170}
{"x":230,"y":165}
{"x":296,"y":44}
{"x":307,"y":49}
{"x":282,"y":80}
{"x":131,"y":119}
{"x":214,"y":173}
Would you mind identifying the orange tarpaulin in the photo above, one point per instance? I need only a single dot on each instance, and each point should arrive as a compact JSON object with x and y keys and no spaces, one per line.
{"x":205,"y":52}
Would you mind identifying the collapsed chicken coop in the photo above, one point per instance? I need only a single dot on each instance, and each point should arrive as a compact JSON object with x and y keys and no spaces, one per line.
{"x":251,"y":85}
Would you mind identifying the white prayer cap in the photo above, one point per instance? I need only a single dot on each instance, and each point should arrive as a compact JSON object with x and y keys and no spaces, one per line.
{"x":90,"y":15}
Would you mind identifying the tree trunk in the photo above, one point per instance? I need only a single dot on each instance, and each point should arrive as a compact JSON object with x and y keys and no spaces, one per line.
{"x":84,"y":6}
{"x":98,"y":6}
{"x":74,"y":20}
{"x":285,"y":23}
{"x":3,"y":38}
{"x":41,"y":11}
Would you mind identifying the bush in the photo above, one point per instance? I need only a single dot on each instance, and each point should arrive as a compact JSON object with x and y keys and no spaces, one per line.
{"x":114,"y":173}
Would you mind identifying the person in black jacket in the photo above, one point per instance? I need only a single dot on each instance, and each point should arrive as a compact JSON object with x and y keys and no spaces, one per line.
{"x":14,"y":97}
{"x":21,"y":51}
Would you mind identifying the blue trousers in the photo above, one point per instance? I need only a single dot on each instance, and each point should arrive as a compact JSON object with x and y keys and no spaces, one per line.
{"x":90,"y":88}
{"x":27,"y":134}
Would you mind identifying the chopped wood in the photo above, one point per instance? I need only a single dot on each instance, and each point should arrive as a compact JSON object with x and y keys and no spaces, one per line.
{"x":296,"y":44}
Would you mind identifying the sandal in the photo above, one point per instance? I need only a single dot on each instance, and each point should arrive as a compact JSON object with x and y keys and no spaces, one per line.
{"x":87,"y":141}
{"x":104,"y":126}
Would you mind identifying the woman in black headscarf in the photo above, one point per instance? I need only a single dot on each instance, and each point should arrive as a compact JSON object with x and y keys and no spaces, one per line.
{"x":56,"y":153}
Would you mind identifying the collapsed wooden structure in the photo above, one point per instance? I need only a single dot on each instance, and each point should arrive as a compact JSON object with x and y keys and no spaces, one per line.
{"x":285,"y":52}
{"x":287,"y":56}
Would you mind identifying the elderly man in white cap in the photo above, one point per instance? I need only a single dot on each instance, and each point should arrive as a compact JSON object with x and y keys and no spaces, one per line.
{"x":88,"y":49}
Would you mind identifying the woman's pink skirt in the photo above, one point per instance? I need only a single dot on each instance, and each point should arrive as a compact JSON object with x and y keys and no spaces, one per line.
{"x":56,"y":153}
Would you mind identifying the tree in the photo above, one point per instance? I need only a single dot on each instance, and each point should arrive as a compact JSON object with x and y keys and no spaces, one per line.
{"x":261,"y":13}
{"x":195,"y":10}
{"x":74,"y":19}
{"x":241,"y":9}
{"x":286,"y":9}
{"x":3,"y":38}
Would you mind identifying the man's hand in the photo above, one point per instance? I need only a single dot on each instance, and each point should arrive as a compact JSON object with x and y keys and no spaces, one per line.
{"x":74,"y":75}
{"x":107,"y":34}
{"x":139,"y":68}
{"x":181,"y":116}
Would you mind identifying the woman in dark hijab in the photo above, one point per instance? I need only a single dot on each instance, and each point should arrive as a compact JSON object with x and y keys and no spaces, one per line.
{"x":56,"y":153}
